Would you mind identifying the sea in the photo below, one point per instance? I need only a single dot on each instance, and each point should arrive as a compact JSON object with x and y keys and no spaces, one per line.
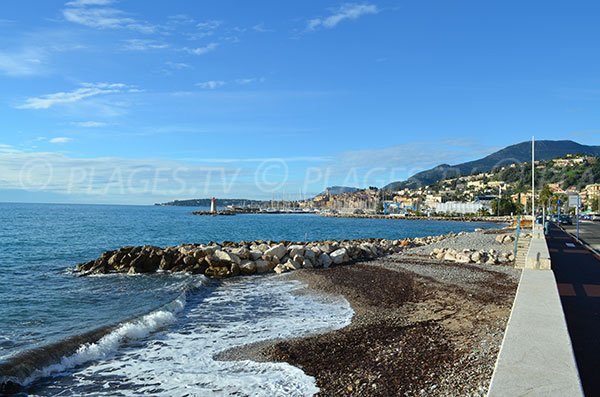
{"x":158,"y":334}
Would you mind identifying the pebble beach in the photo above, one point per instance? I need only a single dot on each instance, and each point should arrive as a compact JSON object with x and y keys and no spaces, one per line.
{"x":421,"y":325}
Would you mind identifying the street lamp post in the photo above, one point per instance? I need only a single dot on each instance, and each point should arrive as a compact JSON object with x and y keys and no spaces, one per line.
{"x":532,"y":183}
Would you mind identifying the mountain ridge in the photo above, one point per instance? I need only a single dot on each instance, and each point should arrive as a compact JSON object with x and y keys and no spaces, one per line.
{"x":517,"y":153}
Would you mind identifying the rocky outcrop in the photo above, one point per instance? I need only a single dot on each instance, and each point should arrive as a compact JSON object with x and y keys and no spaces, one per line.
{"x":231,"y":259}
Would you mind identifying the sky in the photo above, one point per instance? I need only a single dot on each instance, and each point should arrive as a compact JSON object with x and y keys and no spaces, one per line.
{"x":137,"y":102}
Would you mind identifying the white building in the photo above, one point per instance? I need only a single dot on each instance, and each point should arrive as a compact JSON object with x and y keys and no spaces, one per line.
{"x":456,"y":207}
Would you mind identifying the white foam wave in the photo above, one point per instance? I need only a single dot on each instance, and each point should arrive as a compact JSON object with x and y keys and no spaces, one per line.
{"x":180,"y":361}
{"x":106,"y":346}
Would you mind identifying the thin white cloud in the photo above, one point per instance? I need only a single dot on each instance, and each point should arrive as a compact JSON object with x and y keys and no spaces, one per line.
{"x":250,"y":80}
{"x":348,"y":11}
{"x":209,"y":25}
{"x":7,"y":149}
{"x":260,"y":27}
{"x":110,"y":179}
{"x":85,"y":91}
{"x":60,"y":140}
{"x":177,"y":65}
{"x":104,"y":17}
{"x":89,"y":124}
{"x":211,"y":84}
{"x":83,"y":3}
{"x":23,"y":62}
{"x":204,"y":29}
{"x":144,"y":45}
{"x":202,"y":50}
{"x":180,"y":19}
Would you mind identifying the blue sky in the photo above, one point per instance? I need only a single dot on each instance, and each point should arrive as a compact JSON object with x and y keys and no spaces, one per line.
{"x":144,"y":101}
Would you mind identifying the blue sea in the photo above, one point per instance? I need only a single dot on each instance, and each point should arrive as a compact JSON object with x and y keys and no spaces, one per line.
{"x":165,"y":329}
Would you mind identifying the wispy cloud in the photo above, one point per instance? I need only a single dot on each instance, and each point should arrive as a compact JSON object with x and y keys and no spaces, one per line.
{"x":7,"y":149}
{"x":144,"y":45}
{"x":111,"y":179}
{"x":211,"y":84}
{"x":178,"y":65}
{"x":93,"y":14}
{"x":204,"y":29}
{"x":250,"y":80}
{"x":348,"y":11}
{"x":179,"y":19}
{"x":202,"y":50}
{"x":209,"y":25}
{"x":85,"y":91}
{"x":23,"y":62}
{"x":60,"y":140}
{"x":82,"y":3}
{"x":89,"y":124}
{"x":260,"y":27}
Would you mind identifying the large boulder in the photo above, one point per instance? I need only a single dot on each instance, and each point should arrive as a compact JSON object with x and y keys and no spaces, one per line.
{"x":255,"y":254}
{"x":241,"y":252}
{"x":326,"y":248}
{"x":278,"y":251}
{"x":294,"y":264}
{"x":221,"y":259}
{"x":263,"y":266}
{"x":190,"y":260}
{"x":324,"y":260}
{"x":217,"y":272}
{"x":450,"y":255}
{"x":199,"y":268}
{"x":280,"y":268}
{"x":339,"y":256}
{"x":294,"y":250}
{"x":145,"y":263}
{"x":248,"y":267}
{"x":310,"y":256}
{"x":261,"y":247}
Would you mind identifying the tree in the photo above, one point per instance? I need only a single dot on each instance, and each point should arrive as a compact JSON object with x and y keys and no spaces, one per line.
{"x":483,"y":212}
{"x":506,"y":207}
{"x":545,"y":195}
{"x":594,"y":204}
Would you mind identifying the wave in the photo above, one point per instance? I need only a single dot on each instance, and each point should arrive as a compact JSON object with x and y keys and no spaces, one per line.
{"x":99,"y":344}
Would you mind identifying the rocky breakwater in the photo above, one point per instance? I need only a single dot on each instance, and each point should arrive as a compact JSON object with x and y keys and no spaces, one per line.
{"x":231,"y":259}
{"x":481,"y":256}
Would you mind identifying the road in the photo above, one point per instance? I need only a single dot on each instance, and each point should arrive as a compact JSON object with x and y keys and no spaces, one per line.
{"x":589,"y":232}
{"x":577,"y":273}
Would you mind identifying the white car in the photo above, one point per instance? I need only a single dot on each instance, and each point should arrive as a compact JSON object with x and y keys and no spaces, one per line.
{"x":595,"y":217}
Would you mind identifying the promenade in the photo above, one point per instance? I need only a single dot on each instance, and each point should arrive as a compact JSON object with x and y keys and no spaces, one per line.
{"x":589,"y":233}
{"x":577,"y":273}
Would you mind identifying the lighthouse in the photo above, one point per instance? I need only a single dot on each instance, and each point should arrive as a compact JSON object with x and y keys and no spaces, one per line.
{"x":213,"y":206}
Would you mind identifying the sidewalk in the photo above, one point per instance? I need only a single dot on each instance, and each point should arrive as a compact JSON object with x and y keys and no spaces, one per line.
{"x":577,"y":273}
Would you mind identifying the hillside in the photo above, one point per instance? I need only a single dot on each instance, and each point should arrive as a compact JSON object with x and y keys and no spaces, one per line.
{"x":519,"y":153}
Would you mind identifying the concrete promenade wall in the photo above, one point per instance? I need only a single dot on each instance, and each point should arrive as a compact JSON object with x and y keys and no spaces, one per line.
{"x":536,"y":357}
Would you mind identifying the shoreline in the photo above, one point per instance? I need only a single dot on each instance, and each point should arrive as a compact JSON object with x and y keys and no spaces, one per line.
{"x":491,"y":219}
{"x":421,"y":327}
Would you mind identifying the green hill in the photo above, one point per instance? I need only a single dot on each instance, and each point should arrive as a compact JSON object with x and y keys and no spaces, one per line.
{"x":519,"y":153}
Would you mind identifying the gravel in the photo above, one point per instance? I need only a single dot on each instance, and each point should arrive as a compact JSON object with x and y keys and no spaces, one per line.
{"x":480,"y":240}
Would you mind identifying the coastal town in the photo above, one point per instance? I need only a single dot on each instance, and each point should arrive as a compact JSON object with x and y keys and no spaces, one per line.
{"x":498,"y":192}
